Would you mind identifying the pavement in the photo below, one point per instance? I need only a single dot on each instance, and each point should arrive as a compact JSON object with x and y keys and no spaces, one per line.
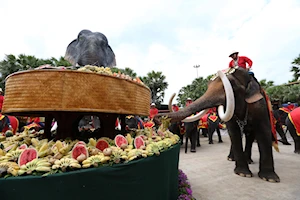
{"x":212,"y":178}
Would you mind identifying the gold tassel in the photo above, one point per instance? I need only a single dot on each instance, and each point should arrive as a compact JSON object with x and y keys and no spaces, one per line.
{"x":275,"y":146}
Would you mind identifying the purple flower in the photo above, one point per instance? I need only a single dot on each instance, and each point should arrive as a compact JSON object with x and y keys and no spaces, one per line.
{"x":184,"y":187}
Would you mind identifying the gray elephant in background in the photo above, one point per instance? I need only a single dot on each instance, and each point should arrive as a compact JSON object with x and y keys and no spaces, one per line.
{"x":90,"y":48}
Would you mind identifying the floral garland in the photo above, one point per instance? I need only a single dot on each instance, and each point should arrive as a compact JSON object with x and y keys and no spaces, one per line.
{"x":184,"y":187}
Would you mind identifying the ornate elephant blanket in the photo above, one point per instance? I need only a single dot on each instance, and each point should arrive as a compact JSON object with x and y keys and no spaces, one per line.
{"x":294,"y":117}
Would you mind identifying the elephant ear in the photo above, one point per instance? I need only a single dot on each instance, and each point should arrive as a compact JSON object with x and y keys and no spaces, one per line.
{"x":253,"y":92}
{"x":71,"y":52}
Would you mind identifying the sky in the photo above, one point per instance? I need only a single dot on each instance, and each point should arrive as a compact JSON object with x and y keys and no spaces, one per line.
{"x":170,"y":36}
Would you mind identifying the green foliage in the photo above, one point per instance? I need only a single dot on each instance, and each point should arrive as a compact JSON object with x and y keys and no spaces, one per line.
{"x":157,"y":84}
{"x":126,"y":71}
{"x":296,"y":69}
{"x":193,"y":91}
{"x":12,"y":64}
{"x":264,"y":84}
{"x":285,"y":93}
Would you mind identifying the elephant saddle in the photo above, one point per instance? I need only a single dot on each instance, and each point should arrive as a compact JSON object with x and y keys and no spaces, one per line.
{"x":294,"y":117}
{"x":284,"y":109}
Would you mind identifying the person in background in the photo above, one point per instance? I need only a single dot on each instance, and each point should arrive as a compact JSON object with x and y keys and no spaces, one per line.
{"x":175,"y":108}
{"x":1,"y":104}
{"x":188,"y":101}
{"x":153,"y":111}
{"x":240,"y":61}
{"x":290,"y":106}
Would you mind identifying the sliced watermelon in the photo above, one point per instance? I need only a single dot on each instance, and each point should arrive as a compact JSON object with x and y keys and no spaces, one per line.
{"x":138,"y":142}
{"x":80,"y":142}
{"x":102,"y":144}
{"x":27,"y":155}
{"x":23,"y":146}
{"x":79,"y":149}
{"x":119,"y":140}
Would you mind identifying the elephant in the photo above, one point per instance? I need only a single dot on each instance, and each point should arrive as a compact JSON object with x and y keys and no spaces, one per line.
{"x":280,"y":115}
{"x":246,"y":112}
{"x":213,"y":125}
{"x":90,"y":48}
{"x":293,"y":126}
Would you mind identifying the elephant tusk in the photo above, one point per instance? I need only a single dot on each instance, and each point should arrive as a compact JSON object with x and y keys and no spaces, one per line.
{"x":170,"y":102}
{"x":230,"y":102}
{"x":195,"y":117}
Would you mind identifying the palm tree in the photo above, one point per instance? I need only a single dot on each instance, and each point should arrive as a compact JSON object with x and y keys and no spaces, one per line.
{"x":296,"y":69}
{"x":157,"y":84}
{"x":264,"y":84}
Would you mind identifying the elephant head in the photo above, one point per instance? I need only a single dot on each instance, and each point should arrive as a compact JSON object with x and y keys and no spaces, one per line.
{"x":234,"y":88}
{"x":90,"y":48}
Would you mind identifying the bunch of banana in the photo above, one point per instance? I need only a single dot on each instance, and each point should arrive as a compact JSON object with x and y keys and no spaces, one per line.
{"x":35,"y":142}
{"x":9,"y":167}
{"x":152,"y":149}
{"x":93,"y":161}
{"x":44,"y":150}
{"x":61,"y":149}
{"x":92,"y":142}
{"x":129,"y":139}
{"x":38,"y":165}
{"x":135,"y":153}
{"x":11,"y":156}
{"x":66,"y":163}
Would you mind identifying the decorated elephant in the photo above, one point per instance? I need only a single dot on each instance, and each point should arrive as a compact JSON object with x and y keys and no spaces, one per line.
{"x":246,"y":112}
{"x":90,"y":48}
{"x":293,"y":126}
{"x":280,"y":116}
{"x":213,"y":125}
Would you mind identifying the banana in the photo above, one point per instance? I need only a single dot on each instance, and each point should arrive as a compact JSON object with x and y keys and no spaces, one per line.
{"x":129,"y":139}
{"x":35,"y":142}
{"x":43,"y":169}
{"x":92,"y":142}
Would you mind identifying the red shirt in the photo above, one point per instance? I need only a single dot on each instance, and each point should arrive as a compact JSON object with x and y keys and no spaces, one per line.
{"x":175,"y":108}
{"x":153,"y":112}
{"x":242,"y":60}
{"x":1,"y":101}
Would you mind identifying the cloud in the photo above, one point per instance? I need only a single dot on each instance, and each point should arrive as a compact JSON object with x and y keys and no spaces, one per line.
{"x":170,"y":36}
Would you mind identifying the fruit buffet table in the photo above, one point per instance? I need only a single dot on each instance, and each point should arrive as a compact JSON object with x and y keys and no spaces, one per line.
{"x":150,"y":178}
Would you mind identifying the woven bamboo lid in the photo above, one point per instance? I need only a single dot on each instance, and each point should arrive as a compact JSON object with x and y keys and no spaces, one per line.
{"x":70,"y":90}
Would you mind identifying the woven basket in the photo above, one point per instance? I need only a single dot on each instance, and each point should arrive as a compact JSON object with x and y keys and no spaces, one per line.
{"x":68,"y":90}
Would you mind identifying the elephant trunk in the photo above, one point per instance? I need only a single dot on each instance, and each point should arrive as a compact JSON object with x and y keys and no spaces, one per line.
{"x":214,"y":96}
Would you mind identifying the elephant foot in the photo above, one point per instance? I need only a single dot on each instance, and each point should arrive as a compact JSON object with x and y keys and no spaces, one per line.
{"x":269,"y":176}
{"x":210,"y":142}
{"x":243,"y":172}
{"x":198,"y":145}
{"x":220,"y":141}
{"x":230,"y":158}
{"x":285,"y":142}
{"x":297,"y":151}
{"x":193,"y":150}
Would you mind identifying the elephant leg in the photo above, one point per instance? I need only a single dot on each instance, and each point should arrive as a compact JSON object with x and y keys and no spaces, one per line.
{"x":280,"y":131}
{"x":204,"y":132}
{"x":264,"y":140}
{"x":241,"y":165}
{"x":219,"y":134}
{"x":248,"y":148}
{"x":230,"y":156}
{"x":186,"y":142}
{"x":198,"y":138}
{"x":293,"y":133}
{"x":193,"y":138}
{"x":210,"y":134}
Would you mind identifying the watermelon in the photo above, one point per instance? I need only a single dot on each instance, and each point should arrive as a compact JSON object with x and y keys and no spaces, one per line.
{"x":119,"y":140}
{"x":23,"y":146}
{"x":139,"y":142}
{"x":102,"y":144}
{"x":80,"y":151}
{"x":80,"y":142}
{"x":27,"y":155}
